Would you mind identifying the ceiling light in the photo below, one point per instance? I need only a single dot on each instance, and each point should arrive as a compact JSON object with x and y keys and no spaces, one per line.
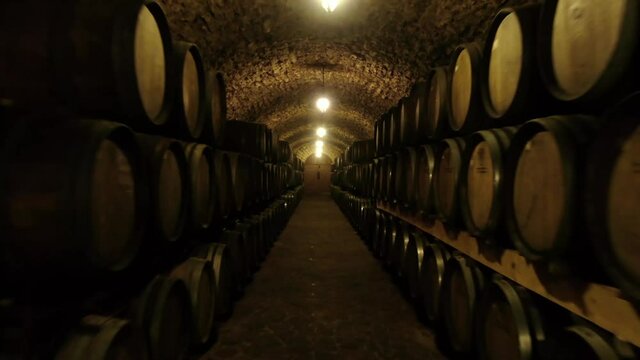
{"x":323,"y":104}
{"x":318,"y":154}
{"x":330,"y":5}
{"x":319,"y":144}
{"x":321,"y":132}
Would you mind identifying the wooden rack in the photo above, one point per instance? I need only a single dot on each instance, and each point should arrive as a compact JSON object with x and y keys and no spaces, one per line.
{"x":603,"y":305}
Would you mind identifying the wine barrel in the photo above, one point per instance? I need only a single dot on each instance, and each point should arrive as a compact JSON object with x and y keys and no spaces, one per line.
{"x":257,"y":221}
{"x":103,"y":58}
{"x":404,"y":233}
{"x":587,"y":49}
{"x":250,"y":237}
{"x":508,"y":325}
{"x":169,"y":184}
{"x":377,"y":135}
{"x":405,"y":174}
{"x":215,"y":109}
{"x":612,"y":195}
{"x":408,"y":120}
{"x":201,"y":197}
{"x":579,"y":342}
{"x":199,"y":277}
{"x":102,"y":338}
{"x":394,"y":232}
{"x":221,"y":264}
{"x":447,"y":168}
{"x":482,"y":181}
{"x":391,"y":178}
{"x":235,"y":244}
{"x":386,"y":132}
{"x":437,"y":99}
{"x":544,"y":178}
{"x":163,"y":312}
{"x":462,"y":284}
{"x":187,"y":120}
{"x":74,"y":197}
{"x":413,"y":263}
{"x":284,"y":154}
{"x":434,"y":259}
{"x":511,"y":87}
{"x":421,"y":99}
{"x":223,"y":184}
{"x":395,"y":136}
{"x":423,"y":192}
{"x":465,"y":108}
{"x":379,"y":232}
{"x":248,"y":138}
{"x":239,"y":165}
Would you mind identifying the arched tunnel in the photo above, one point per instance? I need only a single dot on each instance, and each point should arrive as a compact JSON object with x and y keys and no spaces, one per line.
{"x":320,"y":179}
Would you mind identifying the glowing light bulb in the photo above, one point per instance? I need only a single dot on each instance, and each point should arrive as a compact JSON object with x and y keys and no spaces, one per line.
{"x":321,"y":132}
{"x":319,"y":144}
{"x":330,"y":5}
{"x":323,"y":104}
{"x":318,"y":154}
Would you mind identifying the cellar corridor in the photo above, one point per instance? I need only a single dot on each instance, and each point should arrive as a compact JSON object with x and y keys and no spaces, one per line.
{"x":321,"y":295}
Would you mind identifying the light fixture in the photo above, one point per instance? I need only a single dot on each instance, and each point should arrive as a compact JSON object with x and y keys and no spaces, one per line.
{"x":321,"y":132}
{"x":319,"y":153}
{"x":330,"y":5}
{"x":319,"y":144}
{"x":323,"y":104}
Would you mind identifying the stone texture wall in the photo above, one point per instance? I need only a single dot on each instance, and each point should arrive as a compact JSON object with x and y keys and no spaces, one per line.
{"x":273,"y":53}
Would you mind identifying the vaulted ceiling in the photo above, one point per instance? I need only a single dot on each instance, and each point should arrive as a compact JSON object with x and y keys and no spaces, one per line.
{"x":273,"y":52}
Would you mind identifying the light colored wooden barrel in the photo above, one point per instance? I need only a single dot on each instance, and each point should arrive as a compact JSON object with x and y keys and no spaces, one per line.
{"x":447,"y":177}
{"x":188,"y":116}
{"x":437,"y":125}
{"x":201,"y":176}
{"x":218,"y":256}
{"x":420,"y":94}
{"x":464,"y":106}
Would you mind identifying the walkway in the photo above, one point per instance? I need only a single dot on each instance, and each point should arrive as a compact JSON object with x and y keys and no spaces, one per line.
{"x":320,"y":294}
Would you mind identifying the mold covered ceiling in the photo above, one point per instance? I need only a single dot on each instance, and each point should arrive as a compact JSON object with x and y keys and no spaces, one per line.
{"x":273,"y":54}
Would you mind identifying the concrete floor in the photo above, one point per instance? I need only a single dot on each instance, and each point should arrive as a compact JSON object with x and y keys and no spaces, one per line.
{"x":320,"y":294}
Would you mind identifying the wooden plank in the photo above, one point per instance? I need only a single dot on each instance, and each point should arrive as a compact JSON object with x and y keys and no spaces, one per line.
{"x":603,"y":305}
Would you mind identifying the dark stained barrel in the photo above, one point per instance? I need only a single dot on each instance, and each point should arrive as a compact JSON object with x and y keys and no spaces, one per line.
{"x":447,"y":170}
{"x":482,"y":181}
{"x":437,"y":100}
{"x":424,"y":194}
{"x":612,"y":197}
{"x":187,"y":120}
{"x":223,"y":184}
{"x":239,"y":179}
{"x":421,"y":99}
{"x":105,"y":59}
{"x":250,"y":237}
{"x":102,"y":338}
{"x":405,"y":177}
{"x":545,"y":168}
{"x":395,"y":136}
{"x":202,"y":183}
{"x":163,"y":312}
{"x":508,"y":324}
{"x":413,"y":263}
{"x":462,"y":284}
{"x":587,"y":48}
{"x":169,"y":184}
{"x":377,"y":135}
{"x":465,"y":107}
{"x":379,"y":232}
{"x":198,"y":276}
{"x":386,"y":132}
{"x":408,"y":120}
{"x":215,"y":108}
{"x":434,"y":259}
{"x":404,"y":233}
{"x":394,"y":232}
{"x":511,"y":85}
{"x":248,"y":138}
{"x":579,"y":342}
{"x":235,"y":244}
{"x":218,"y":256}
{"x":75,"y":197}
{"x":391,"y":178}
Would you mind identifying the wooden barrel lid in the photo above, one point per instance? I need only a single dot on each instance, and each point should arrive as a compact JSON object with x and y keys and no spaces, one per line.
{"x":461,"y":88}
{"x":113,"y":201}
{"x":170,"y":194}
{"x":150,"y":63}
{"x":202,"y":184}
{"x":459,"y":314}
{"x":433,"y":265}
{"x":436,"y":110}
{"x":480,"y":184}
{"x":425,"y":161}
{"x":586,"y":37}
{"x":500,"y":334}
{"x":447,"y":170}
{"x":191,"y":90}
{"x":539,"y":191}
{"x":505,"y":64}
{"x":172,"y":327}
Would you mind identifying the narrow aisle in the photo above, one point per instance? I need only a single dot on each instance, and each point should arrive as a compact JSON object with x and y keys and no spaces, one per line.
{"x":320,"y":294}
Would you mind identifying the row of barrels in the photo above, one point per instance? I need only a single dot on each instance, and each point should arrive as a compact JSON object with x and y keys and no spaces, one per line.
{"x":359,"y":152}
{"x":178,"y":310}
{"x":476,"y":313}
{"x":114,"y":60}
{"x":536,"y":60}
{"x":357,"y":179}
{"x":542,"y":188}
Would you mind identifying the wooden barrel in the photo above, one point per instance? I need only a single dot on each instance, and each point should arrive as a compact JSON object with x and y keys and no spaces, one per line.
{"x":544,"y":179}
{"x":379,"y":232}
{"x":587,"y":48}
{"x":107,"y":58}
{"x":169,"y":184}
{"x":446,"y":180}
{"x":437,"y":99}
{"x":201,"y":192}
{"x":221,"y":263}
{"x":257,"y":221}
{"x":405,"y":174}
{"x":187,"y":120}
{"x":462,"y":284}
{"x":465,"y":107}
{"x":235,"y":244}
{"x":284,"y":151}
{"x":511,"y":87}
{"x":101,"y":338}
{"x":395,"y":140}
{"x":423,"y":192}
{"x":377,"y":135}
{"x":404,"y":233}
{"x":223,"y":184}
{"x":413,"y":263}
{"x":612,"y":195}
{"x":163,"y":312}
{"x":421,"y":99}
{"x":394,"y":232}
{"x":482,"y":181}
{"x":215,"y":108}
{"x":578,"y":342}
{"x":75,"y":198}
{"x":508,"y":325}
{"x":434,"y":259}
{"x":408,"y":120}
{"x":248,"y":138}
{"x":386,"y":132}
{"x":200,"y":279}
{"x":250,"y":237}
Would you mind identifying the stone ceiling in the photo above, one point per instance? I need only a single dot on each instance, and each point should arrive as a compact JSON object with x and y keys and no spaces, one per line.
{"x":273,"y":52}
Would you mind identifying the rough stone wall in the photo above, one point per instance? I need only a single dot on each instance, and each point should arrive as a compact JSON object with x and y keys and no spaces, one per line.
{"x":273,"y":53}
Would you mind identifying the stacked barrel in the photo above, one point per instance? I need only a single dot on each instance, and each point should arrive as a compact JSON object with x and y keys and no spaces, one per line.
{"x":131,"y":221}
{"x":528,"y":141}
